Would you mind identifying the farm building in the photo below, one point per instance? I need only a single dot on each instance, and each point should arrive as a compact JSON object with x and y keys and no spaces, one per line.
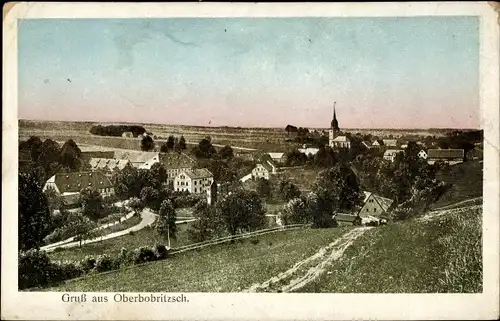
{"x":374,"y":205}
{"x":174,"y":163}
{"x":390,"y":142}
{"x":263,"y":170}
{"x":247,"y":156}
{"x":195,"y":181}
{"x":450,"y":156}
{"x":69,"y":185}
{"x":277,"y":157}
{"x":390,"y":154}
{"x":108,"y":165}
{"x":137,"y":158}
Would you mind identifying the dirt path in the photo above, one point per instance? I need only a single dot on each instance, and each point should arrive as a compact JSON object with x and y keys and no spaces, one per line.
{"x":307,"y":270}
{"x":438,"y":213}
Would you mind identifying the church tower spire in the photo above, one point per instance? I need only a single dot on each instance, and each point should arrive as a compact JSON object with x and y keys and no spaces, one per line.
{"x":334,"y":124}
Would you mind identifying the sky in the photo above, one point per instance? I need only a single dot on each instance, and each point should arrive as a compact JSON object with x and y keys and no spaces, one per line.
{"x":412,"y":72}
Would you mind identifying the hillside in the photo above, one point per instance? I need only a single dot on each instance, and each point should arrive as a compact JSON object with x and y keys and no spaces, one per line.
{"x":437,"y":252}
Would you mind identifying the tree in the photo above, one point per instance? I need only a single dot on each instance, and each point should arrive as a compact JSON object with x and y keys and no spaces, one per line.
{"x":320,"y":216}
{"x":241,"y":211}
{"x":70,"y":156}
{"x":164,"y":148}
{"x":82,"y":227}
{"x":54,"y":201}
{"x":92,"y":203}
{"x":338,"y":189}
{"x":158,"y":174}
{"x":170,"y":143}
{"x":290,"y":129}
{"x":182,"y":143}
{"x":264,"y":188}
{"x":289,"y":191}
{"x":208,"y":224}
{"x":226,"y":152}
{"x":34,"y":216}
{"x":136,"y":205}
{"x":151,"y":198}
{"x":205,"y":149}
{"x":147,"y":143}
{"x":295,"y":158}
{"x":296,"y":212}
{"x":165,"y":223}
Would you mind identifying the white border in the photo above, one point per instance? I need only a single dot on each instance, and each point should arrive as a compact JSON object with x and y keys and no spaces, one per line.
{"x":19,"y":305}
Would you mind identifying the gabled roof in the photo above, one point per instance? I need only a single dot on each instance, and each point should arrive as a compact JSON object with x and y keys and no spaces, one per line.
{"x":176,"y":160}
{"x":341,"y":139}
{"x":385,"y":203}
{"x":445,"y":153}
{"x":108,"y":163}
{"x":135,"y":156}
{"x":276,"y":155}
{"x":198,"y":173}
{"x":392,"y":152}
{"x":76,"y":181}
{"x":390,"y":142}
{"x":267,"y":165}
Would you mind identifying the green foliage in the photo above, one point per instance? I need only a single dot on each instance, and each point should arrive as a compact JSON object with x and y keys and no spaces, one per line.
{"x":241,"y":211}
{"x":147,"y":143}
{"x":92,"y":203}
{"x":296,"y":212}
{"x":295,"y":158}
{"x":209,"y":224}
{"x":264,"y":188}
{"x":117,"y":130}
{"x":105,"y":263}
{"x":165,"y":223}
{"x":161,"y":251}
{"x":205,"y":149}
{"x":35,"y":221}
{"x":144,"y":254}
{"x":70,"y":156}
{"x":181,"y":144}
{"x":288,"y":190}
{"x":226,"y":152}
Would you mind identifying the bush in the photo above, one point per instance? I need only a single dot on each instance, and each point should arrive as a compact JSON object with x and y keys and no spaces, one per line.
{"x":143,"y":254}
{"x":34,"y":269}
{"x":161,"y":251}
{"x":103,"y":263}
{"x":125,"y":257}
{"x":88,"y":263}
{"x":66,"y":270}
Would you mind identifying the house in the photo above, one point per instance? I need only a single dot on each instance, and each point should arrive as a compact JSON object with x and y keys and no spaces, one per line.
{"x":422,"y":154}
{"x":374,"y":205}
{"x":136,"y":158}
{"x":376,"y":144}
{"x":390,"y":154}
{"x":340,"y":142}
{"x":390,"y":142}
{"x":245,"y":155}
{"x":450,"y":156}
{"x":195,"y":181}
{"x":263,"y":170}
{"x":277,"y":157}
{"x":127,"y":135}
{"x":174,"y":163}
{"x":108,"y":165}
{"x":309,"y":150}
{"x":69,"y":185}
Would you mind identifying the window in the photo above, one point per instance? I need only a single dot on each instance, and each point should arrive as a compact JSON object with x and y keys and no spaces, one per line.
{"x":195,"y":190}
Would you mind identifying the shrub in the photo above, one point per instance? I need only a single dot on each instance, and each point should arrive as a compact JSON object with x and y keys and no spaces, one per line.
{"x":143,"y":254}
{"x":125,"y":257}
{"x":66,"y":270}
{"x":161,"y":251}
{"x":88,"y":263}
{"x":104,"y":263}
{"x":254,"y":241}
{"x":34,"y":269}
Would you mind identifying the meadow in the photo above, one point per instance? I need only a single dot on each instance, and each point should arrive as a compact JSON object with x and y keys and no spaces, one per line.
{"x":229,"y":267}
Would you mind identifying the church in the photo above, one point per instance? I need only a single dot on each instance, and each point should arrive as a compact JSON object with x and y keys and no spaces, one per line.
{"x":335,"y":139}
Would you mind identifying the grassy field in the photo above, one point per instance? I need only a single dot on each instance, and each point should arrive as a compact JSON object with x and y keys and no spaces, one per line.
{"x":144,"y":237}
{"x":466,"y":181}
{"x":226,"y":267}
{"x":443,"y":255}
{"x":134,"y":220}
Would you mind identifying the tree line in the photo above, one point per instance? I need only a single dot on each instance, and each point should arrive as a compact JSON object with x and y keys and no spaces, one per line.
{"x":117,"y":130}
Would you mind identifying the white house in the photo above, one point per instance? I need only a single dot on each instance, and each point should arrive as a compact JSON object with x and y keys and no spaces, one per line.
{"x":263,"y":170}
{"x":174,"y":163}
{"x":390,"y":154}
{"x":195,"y":181}
{"x":308,"y":150}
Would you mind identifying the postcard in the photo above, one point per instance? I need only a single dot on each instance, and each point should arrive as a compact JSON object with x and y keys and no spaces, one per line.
{"x":253,"y":161}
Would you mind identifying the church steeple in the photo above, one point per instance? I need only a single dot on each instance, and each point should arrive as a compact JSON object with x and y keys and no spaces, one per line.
{"x":335,"y":124}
